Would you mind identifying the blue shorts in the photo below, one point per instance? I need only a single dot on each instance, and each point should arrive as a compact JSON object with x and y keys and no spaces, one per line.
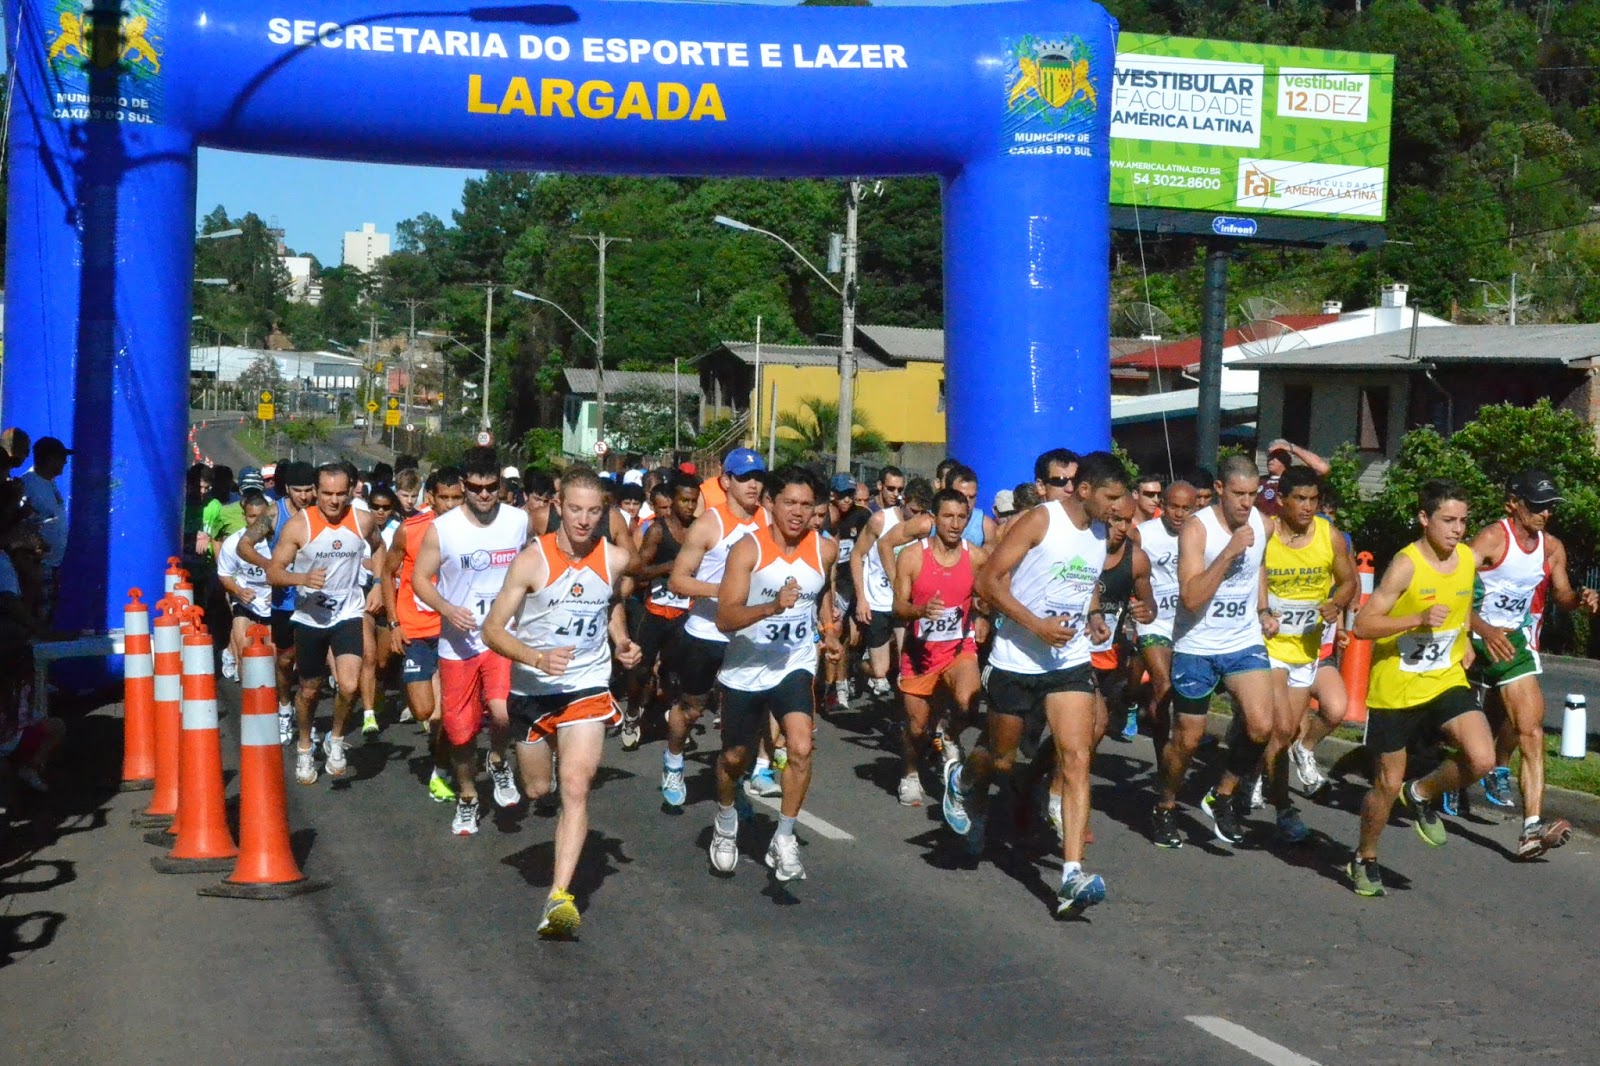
{"x":422,"y":660}
{"x":1195,"y":677}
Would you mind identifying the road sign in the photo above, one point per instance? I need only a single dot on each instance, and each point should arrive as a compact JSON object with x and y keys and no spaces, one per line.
{"x":601,"y":447}
{"x":377,"y":368}
{"x":391,"y":418}
{"x":264,"y":411}
{"x":394,"y":403}
{"x":485,"y":438}
{"x":411,"y":427}
{"x":266,"y":397}
{"x":372,"y":407}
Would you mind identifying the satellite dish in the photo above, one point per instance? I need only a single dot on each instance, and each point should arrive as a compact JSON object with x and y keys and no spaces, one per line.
{"x":1257,"y":308}
{"x":1268,"y":336}
{"x":1147,"y":321}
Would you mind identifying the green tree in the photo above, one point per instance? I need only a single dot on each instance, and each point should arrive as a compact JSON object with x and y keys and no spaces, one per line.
{"x":641,"y":420}
{"x":261,"y":376}
{"x":811,"y":431}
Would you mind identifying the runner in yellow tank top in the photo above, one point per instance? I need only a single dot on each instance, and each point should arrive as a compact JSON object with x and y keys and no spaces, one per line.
{"x":1417,"y":620}
{"x":1311,"y":579}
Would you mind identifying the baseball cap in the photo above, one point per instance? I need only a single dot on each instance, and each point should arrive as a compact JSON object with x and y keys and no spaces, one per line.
{"x":50,"y":446}
{"x":742,"y":461}
{"x":250,"y":478}
{"x":1004,"y":502}
{"x":842,"y":483}
{"x":1535,"y":488}
{"x":511,"y":472}
{"x":268,"y":471}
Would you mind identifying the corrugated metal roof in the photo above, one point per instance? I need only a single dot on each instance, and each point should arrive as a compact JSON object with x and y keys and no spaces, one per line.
{"x":1547,"y":345}
{"x":909,"y":344}
{"x":582,"y":381}
{"x":1176,"y":355}
{"x":800,"y":355}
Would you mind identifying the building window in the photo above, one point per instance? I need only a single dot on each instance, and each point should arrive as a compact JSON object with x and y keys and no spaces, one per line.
{"x":1372,"y":418}
{"x":941,"y":396}
{"x":1296,"y":413}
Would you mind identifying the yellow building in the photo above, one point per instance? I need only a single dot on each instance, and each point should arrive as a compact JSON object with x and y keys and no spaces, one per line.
{"x":899,"y":385}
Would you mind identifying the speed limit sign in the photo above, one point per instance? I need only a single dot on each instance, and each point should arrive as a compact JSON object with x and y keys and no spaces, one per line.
{"x":485,"y":438}
{"x":601,"y":447}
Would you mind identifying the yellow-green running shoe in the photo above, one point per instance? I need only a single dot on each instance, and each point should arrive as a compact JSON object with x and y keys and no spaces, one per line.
{"x":1365,"y":877}
{"x":561,"y":916}
{"x":439,"y":789}
{"x":1426,"y":820}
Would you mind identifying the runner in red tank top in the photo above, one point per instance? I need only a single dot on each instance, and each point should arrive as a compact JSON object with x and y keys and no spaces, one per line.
{"x":933,"y":591}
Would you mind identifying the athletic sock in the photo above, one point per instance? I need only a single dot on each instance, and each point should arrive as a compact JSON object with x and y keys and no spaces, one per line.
{"x":762,"y":764}
{"x":1530,"y":821}
{"x":727,"y":820}
{"x":785,"y":826}
{"x":673,"y":762}
{"x":1068,"y":869}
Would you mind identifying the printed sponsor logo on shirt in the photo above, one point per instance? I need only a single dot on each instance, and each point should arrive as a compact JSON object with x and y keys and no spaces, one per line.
{"x":484,"y":559}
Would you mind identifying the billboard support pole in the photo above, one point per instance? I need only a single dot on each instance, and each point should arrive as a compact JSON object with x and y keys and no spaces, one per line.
{"x":1214,"y":320}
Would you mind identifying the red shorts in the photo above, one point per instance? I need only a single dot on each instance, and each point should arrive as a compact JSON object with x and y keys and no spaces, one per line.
{"x":465,"y":685}
{"x":924,"y":685}
{"x":538,"y":717}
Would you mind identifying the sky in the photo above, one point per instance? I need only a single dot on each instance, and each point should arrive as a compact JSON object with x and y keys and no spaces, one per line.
{"x":316,"y":201}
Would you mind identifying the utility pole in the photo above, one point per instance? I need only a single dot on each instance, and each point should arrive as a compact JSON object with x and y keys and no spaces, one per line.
{"x":847,"y":338}
{"x":600,"y":241}
{"x":372,"y":362}
{"x":488,"y":350}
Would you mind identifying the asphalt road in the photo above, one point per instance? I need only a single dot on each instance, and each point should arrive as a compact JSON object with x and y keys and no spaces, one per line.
{"x":898,"y":948}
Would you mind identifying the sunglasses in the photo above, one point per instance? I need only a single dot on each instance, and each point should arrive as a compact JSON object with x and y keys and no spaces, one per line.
{"x":1058,"y":482}
{"x":1156,"y":495}
{"x":751,"y":475}
{"x":482,"y":489}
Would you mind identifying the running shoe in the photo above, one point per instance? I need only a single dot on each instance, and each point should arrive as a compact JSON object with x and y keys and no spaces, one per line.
{"x":880,"y":689}
{"x":439,"y":789}
{"x":406,"y":715}
{"x":465,"y":823}
{"x":333,"y":750}
{"x":763,"y":783}
{"x":1450,"y":803}
{"x":1497,"y":787}
{"x":831,"y":701}
{"x":842,"y":693}
{"x":780,"y":759}
{"x":285,"y":725}
{"x":673,"y":790}
{"x":1130,"y":728}
{"x":955,"y":801}
{"x":630,"y":732}
{"x":1078,"y":893}
{"x":305,"y":766}
{"x":1365,"y":877}
{"x":561,"y":916}
{"x":230,"y":666}
{"x":1312,"y":779}
{"x":1164,"y":828}
{"x":369,"y":722}
{"x":911,"y":791}
{"x":783,"y":858}
{"x":1291,"y":830}
{"x":1541,"y":837}
{"x":506,"y":795}
{"x":1426,"y":820}
{"x":1258,"y":793}
{"x":724,"y":850}
{"x":1224,"y":818}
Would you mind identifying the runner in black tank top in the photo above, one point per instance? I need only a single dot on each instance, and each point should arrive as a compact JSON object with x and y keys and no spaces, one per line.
{"x":662,"y":617}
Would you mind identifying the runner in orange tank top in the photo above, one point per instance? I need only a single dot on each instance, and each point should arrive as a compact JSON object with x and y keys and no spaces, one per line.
{"x":933,"y":592}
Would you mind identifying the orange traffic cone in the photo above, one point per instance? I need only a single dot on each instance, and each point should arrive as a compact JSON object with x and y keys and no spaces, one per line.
{"x":167,"y":643}
{"x":174,"y":574}
{"x":183,"y":590}
{"x":266,"y":867}
{"x":138,"y":698}
{"x":1356,"y":660}
{"x":203,"y":843}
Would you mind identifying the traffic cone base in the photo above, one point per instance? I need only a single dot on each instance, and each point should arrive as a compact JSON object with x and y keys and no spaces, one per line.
{"x":228,"y":890}
{"x":166,"y":864}
{"x":146,"y":784}
{"x":142,"y":820}
{"x":161,"y":838}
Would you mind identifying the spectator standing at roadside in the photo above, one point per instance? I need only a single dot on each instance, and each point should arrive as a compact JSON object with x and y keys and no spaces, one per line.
{"x":1280,"y":457}
{"x":49,"y":515}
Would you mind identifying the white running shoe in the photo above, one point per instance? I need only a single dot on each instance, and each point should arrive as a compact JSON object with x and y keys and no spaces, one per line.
{"x":724,"y":850}
{"x":285,"y":725}
{"x":406,"y":715}
{"x":230,"y":666}
{"x":333,"y":749}
{"x":369,"y":722}
{"x":305,"y":766}
{"x":506,"y":795}
{"x":783,"y":858}
{"x":1306,"y":769}
{"x":465,"y":823}
{"x":911,"y":791}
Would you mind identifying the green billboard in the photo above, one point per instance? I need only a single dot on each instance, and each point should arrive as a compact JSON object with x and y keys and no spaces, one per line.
{"x":1250,"y":129}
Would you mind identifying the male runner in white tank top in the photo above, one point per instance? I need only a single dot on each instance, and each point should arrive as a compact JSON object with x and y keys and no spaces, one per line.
{"x":774,"y":598}
{"x":325,"y":545}
{"x":697,"y":572}
{"x":1514,"y":556}
{"x":564,"y":595}
{"x":1219,"y":639}
{"x":874,"y":590}
{"x":1159,"y":538}
{"x":469,"y":551}
{"x":1044,"y":580}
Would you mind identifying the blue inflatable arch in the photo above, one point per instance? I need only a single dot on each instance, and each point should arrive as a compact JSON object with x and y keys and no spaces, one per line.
{"x":1007,"y":103}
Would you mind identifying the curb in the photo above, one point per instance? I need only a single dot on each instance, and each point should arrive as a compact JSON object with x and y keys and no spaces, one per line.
{"x":1579,"y":808}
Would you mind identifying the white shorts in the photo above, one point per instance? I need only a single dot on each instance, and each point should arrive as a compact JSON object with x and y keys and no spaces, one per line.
{"x":1301,"y":675}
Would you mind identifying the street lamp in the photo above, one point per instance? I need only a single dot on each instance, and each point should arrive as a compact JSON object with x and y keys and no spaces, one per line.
{"x":220,"y":234}
{"x":599,"y":358}
{"x":1510,"y":306}
{"x":847,"y":296}
{"x":465,"y":384}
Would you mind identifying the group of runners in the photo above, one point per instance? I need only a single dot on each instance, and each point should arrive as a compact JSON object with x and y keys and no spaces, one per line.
{"x":1002,"y":648}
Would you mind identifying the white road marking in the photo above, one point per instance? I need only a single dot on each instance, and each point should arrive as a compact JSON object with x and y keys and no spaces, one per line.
{"x":1245,"y":1040}
{"x":807,"y":819}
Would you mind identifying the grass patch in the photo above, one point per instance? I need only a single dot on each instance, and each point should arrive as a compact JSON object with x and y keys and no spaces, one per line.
{"x":1579,"y":775}
{"x":257,"y":443}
